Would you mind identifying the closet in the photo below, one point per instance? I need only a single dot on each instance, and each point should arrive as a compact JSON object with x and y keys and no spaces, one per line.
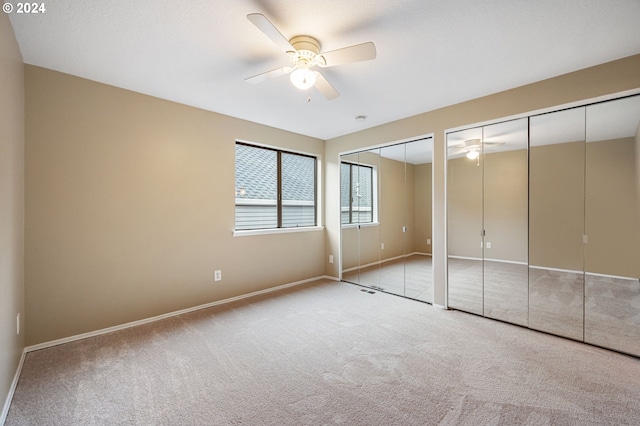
{"x":487,"y":233}
{"x":544,"y":222}
{"x":386,"y":218}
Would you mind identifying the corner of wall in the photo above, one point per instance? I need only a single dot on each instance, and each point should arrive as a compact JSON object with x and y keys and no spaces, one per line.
{"x":12,"y":138}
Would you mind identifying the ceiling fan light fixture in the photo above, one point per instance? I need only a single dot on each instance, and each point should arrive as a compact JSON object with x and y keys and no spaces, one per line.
{"x":303,"y":78}
{"x":473,"y":154}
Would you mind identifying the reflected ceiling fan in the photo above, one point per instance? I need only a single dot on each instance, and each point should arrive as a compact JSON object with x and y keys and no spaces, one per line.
{"x":472,"y":148}
{"x":304,"y":54}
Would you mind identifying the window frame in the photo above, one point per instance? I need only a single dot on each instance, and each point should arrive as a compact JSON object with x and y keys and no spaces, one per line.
{"x":279,"y":228}
{"x":374,"y":196}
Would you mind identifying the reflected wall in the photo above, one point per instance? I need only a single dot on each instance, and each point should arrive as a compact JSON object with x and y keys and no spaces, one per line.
{"x":553,"y":246}
{"x":487,"y":220}
{"x":392,"y":251}
{"x":612,"y":226}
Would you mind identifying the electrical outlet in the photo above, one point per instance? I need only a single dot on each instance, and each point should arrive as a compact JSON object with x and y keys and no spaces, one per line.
{"x":18,"y":324}
{"x":488,"y":244}
{"x":381,"y":246}
{"x":428,"y":241}
{"x":330,"y":258}
{"x":217,"y":275}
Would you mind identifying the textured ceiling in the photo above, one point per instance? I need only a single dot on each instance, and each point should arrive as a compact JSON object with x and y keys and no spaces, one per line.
{"x":430,"y":53}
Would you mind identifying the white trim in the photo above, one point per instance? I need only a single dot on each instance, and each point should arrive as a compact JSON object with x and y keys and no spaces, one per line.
{"x":329,"y":277}
{"x":248,"y":232}
{"x":435,"y":305}
{"x":612,"y":276}
{"x":362,"y":225}
{"x":569,"y":271}
{"x":388,"y":143}
{"x":76,"y":337}
{"x":386,"y":260}
{"x":574,"y":104}
{"x":464,"y":258}
{"x":277,"y":148}
{"x":514,"y":262}
{"x":12,"y":389}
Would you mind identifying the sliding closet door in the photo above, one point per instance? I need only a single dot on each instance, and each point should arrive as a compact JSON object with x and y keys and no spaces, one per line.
{"x":392,"y":217}
{"x":505,"y":203}
{"x":556,"y":223}
{"x":612,"y":252}
{"x":417,"y":265}
{"x":465,"y":217}
{"x":386,"y":215}
{"x":350,"y":217}
{"x":365,"y":191}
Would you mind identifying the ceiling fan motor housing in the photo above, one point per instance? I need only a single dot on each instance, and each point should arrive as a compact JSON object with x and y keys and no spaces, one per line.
{"x":307,"y":51}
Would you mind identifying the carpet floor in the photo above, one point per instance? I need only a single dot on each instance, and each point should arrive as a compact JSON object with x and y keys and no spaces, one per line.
{"x":326,"y":353}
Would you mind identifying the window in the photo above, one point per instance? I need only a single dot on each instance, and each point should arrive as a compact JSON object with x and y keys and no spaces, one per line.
{"x":274,"y":188}
{"x":356,"y":193}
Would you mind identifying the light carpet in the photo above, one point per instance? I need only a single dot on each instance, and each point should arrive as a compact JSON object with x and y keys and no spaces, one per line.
{"x":326,"y":353}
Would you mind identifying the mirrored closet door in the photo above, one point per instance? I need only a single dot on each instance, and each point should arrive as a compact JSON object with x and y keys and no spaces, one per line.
{"x":387,"y":245}
{"x":487,"y":221}
{"x":612,"y":225}
{"x":556,"y":225}
{"x":359,"y":218}
{"x":553,"y":246}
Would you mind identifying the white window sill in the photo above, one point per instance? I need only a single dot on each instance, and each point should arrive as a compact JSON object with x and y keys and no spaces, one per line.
{"x":362,"y":225}
{"x":249,"y":232}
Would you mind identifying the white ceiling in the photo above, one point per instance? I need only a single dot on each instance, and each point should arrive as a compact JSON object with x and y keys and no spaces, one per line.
{"x":430,"y":53}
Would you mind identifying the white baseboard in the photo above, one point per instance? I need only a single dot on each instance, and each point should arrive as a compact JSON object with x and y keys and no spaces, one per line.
{"x":167,"y":315}
{"x":380,"y":262}
{"x":12,"y":389}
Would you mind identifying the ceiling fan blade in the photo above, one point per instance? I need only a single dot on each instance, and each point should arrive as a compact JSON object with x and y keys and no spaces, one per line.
{"x":457,"y":150}
{"x":264,"y":25}
{"x":356,"y":53}
{"x":325,"y":88}
{"x":267,"y":75}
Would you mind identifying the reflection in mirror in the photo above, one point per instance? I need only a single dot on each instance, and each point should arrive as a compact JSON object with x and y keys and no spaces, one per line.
{"x":464,"y":217}
{"x":556,"y":222}
{"x":505,"y":202}
{"x":418,"y":266}
{"x":392,"y":216}
{"x":488,"y":220}
{"x":365,"y":195}
{"x":612,"y":212}
{"x":350,"y":217}
{"x":387,"y":244}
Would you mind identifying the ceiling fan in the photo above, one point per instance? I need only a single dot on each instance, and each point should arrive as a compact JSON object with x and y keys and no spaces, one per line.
{"x":472,"y":148}
{"x":304,"y":54}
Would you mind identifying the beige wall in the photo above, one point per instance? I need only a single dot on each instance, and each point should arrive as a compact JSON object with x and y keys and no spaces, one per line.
{"x":612,"y":209}
{"x":465,"y":207}
{"x":422,"y":218}
{"x":130,"y":208}
{"x":592,"y":82}
{"x":11,"y":205}
{"x":392,"y":208}
{"x":557,"y":206}
{"x":493,"y":194}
